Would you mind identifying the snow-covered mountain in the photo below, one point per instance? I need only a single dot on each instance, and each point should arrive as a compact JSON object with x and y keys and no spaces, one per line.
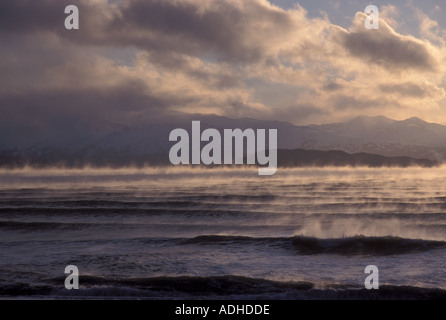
{"x":412,"y":137}
{"x":126,"y":144}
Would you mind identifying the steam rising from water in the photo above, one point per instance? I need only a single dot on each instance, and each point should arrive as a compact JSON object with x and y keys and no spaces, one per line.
{"x":170,"y":222}
{"x":314,"y":202}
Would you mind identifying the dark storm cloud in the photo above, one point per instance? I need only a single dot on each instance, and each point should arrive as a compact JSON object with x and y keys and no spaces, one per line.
{"x":59,"y":115}
{"x":225,"y":29}
{"x":126,"y":98}
{"x":30,"y":15}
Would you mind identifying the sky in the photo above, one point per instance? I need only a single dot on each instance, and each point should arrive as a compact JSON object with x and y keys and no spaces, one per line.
{"x":306,"y":62}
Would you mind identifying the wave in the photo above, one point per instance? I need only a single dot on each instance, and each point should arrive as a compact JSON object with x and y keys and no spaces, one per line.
{"x":103,"y":200}
{"x":32,"y":211}
{"x":216,"y":287}
{"x":358,"y":245}
{"x":361,"y":245}
{"x":46,"y":226}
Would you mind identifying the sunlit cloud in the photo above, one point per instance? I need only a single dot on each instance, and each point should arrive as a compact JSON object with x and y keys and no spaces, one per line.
{"x":234,"y":58}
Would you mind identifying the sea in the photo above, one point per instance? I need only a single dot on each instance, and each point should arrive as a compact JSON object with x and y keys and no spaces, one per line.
{"x":223,"y":233}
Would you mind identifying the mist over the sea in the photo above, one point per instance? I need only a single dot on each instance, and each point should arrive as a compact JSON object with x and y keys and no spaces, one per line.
{"x":180,"y":232}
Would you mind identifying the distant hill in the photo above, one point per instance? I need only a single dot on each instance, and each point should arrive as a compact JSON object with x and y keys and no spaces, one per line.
{"x":117,"y":144}
{"x":286,"y":158}
{"x":302,"y":158}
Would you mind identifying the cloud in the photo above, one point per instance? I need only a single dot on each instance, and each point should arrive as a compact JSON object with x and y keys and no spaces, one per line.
{"x":25,"y":16}
{"x":133,"y":60}
{"x":414,"y":90}
{"x":230,"y":30}
{"x":390,"y":14}
{"x":430,"y":29}
{"x":386,"y":48}
{"x":356,"y":102}
{"x":299,"y":113}
{"x":332,"y":86}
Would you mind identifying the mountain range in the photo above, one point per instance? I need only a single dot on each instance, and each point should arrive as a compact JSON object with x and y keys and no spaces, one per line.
{"x":117,"y":145}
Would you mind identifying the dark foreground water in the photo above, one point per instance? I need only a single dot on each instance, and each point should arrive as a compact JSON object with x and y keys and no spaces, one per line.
{"x":223,"y":234}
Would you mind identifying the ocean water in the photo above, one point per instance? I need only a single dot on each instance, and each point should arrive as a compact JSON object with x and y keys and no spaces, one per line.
{"x":182,"y":233}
